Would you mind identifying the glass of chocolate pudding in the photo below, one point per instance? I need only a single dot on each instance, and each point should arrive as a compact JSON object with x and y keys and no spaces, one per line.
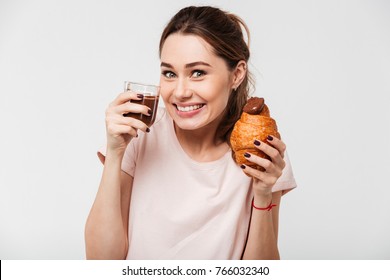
{"x":150,"y":99}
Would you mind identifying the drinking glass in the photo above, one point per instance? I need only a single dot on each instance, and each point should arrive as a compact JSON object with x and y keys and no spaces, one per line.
{"x":150,"y":99}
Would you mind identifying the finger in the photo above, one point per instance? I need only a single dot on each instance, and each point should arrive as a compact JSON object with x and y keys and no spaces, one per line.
{"x":130,"y":107}
{"x":128,"y":121}
{"x":266,"y":178}
{"x":277,"y":143}
{"x":268,"y":165}
{"x":125,"y":97}
{"x":117,"y":129}
{"x":135,"y":123}
{"x":272,"y":152}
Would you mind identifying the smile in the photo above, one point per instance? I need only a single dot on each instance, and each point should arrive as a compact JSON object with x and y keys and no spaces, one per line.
{"x":189,"y":108}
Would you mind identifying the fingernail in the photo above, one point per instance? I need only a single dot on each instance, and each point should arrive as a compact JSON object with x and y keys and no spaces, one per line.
{"x":247,"y":155}
{"x":256,"y":142}
{"x":242,"y":166}
{"x":270,"y":138}
{"x":149,"y":112}
{"x":147,"y":129}
{"x":140,"y":96}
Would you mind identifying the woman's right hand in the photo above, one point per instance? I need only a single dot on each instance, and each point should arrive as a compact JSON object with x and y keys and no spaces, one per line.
{"x":120,"y":129}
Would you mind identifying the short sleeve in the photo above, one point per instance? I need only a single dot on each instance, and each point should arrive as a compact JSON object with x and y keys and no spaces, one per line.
{"x":136,"y":147}
{"x":286,"y":182}
{"x":129,"y":158}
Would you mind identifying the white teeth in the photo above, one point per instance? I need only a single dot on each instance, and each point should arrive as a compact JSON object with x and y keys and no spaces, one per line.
{"x":189,"y":108}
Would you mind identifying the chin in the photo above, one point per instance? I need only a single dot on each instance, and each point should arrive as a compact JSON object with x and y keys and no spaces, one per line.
{"x":186,"y":125}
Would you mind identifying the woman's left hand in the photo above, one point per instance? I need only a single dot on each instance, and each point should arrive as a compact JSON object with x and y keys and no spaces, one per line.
{"x":263,"y":181}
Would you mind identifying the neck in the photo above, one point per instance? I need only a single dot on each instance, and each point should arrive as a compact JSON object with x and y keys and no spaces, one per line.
{"x":202,"y":144}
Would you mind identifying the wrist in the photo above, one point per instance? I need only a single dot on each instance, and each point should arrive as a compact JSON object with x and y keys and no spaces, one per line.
{"x":267,"y":208}
{"x":262,"y":200}
{"x":114,"y":154}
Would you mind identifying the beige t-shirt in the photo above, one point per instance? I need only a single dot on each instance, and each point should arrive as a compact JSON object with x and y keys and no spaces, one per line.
{"x":183,"y":209}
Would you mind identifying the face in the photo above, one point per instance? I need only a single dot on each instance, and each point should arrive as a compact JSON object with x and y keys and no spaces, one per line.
{"x":195,"y":83}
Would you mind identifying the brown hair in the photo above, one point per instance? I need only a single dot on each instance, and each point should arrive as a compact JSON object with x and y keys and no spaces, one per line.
{"x":223,"y":31}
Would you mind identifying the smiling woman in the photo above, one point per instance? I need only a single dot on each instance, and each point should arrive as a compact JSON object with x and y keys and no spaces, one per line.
{"x":196,"y":84}
{"x":173,"y":190}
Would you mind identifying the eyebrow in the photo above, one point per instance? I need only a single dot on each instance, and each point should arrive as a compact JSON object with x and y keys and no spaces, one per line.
{"x":189,"y":65}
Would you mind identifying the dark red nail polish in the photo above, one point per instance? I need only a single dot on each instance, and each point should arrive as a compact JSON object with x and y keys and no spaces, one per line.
{"x":247,"y":155}
{"x":270,"y":138}
{"x":256,"y":142}
{"x":140,"y":96}
{"x":242,"y":166}
{"x":149,"y":112}
{"x":148,"y":129}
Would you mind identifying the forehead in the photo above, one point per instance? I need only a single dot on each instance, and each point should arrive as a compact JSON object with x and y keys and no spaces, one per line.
{"x":183,"y":48}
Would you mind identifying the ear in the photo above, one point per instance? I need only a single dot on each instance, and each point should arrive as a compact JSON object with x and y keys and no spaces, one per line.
{"x":239,"y":74}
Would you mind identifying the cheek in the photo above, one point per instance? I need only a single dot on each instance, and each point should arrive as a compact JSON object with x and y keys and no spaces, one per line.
{"x":165,"y":89}
{"x":223,"y":98}
{"x":212,"y":90}
{"x":222,"y":85}
{"x":221,"y":93}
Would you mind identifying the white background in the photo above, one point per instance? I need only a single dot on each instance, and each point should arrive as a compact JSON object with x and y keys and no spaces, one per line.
{"x":322,"y":66}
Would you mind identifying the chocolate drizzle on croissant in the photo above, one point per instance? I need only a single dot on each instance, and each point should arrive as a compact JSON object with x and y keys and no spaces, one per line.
{"x":254,"y":106}
{"x":255,"y":123}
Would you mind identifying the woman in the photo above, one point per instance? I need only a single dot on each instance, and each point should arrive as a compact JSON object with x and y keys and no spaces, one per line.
{"x":173,"y":191}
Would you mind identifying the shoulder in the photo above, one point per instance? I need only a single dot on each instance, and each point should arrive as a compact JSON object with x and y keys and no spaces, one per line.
{"x":286,"y":182}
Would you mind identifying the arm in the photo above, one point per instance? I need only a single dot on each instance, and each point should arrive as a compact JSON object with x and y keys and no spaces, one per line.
{"x":262,"y":242}
{"x":106,"y":229}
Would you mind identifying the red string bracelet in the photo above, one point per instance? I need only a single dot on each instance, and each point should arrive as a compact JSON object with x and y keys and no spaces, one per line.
{"x":268,"y":208}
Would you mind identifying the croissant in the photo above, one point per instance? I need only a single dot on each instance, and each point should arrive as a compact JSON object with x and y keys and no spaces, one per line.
{"x":255,"y":123}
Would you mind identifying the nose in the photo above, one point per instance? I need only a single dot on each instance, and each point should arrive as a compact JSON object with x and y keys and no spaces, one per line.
{"x":182,"y":90}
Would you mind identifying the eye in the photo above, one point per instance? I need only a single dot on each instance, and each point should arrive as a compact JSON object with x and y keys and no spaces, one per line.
{"x":198,"y":73}
{"x":168,"y":74}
